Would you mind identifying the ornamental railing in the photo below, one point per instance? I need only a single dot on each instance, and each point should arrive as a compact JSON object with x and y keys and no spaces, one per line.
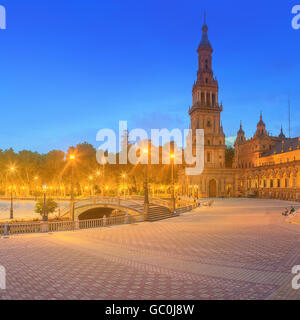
{"x":61,"y":226}
{"x":20,"y":228}
{"x":55,"y":226}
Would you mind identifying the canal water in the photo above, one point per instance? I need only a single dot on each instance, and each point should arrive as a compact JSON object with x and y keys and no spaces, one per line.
{"x":24,"y":209}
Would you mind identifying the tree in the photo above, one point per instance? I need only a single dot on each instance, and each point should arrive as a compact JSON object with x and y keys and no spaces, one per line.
{"x":229,"y":155}
{"x":50,"y":206}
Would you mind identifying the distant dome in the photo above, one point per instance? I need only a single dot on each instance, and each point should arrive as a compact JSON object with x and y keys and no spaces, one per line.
{"x":282,"y":135}
{"x":241,"y":132}
{"x":261,"y":123}
{"x":261,"y":128}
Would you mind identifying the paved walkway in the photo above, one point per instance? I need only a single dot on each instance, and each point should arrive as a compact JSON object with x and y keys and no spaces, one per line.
{"x":239,"y":249}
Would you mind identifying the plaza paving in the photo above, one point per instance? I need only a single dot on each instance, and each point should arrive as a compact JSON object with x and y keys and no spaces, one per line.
{"x":238,"y":249}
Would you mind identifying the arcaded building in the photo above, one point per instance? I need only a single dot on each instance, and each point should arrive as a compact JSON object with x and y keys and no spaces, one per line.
{"x":264,"y":166}
{"x":267,"y":166}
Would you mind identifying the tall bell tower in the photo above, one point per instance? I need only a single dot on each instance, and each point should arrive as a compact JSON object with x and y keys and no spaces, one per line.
{"x":206,"y":110}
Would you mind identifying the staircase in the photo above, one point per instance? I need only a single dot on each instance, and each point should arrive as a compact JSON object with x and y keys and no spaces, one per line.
{"x":159,"y":213}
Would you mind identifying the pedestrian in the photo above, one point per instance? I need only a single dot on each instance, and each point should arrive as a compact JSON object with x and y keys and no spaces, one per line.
{"x":292,"y":211}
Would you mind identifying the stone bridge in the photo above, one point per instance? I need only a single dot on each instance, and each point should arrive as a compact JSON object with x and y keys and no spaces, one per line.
{"x":134,"y":205}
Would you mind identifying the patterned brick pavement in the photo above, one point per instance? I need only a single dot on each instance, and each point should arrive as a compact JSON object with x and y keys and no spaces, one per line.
{"x":239,"y":249}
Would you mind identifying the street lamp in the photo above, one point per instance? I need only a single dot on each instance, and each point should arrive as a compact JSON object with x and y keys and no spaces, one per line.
{"x":146,"y":197}
{"x":12,"y":170}
{"x":172,"y":181}
{"x":35,"y":187}
{"x":98,"y":174}
{"x":45,"y":216}
{"x":92,"y":188}
{"x":124,"y":176}
{"x":72,"y":159}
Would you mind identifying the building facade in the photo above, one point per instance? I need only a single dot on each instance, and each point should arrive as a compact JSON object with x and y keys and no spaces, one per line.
{"x":267,"y":166}
{"x":264,"y":166}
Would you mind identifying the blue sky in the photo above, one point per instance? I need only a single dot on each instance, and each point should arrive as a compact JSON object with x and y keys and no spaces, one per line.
{"x":70,"y":68}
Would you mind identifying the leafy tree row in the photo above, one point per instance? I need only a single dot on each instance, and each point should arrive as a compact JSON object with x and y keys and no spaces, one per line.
{"x":33,"y":170}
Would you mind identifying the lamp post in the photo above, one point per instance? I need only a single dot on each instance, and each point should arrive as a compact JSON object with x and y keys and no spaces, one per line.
{"x":35,"y":186}
{"x":98,"y":174}
{"x":12,"y":170}
{"x":124,"y":176}
{"x":11,"y":203}
{"x":172,"y":181}
{"x":146,"y":197}
{"x":92,"y":186}
{"x":72,"y":159}
{"x":45,"y":215}
{"x":103,"y":161}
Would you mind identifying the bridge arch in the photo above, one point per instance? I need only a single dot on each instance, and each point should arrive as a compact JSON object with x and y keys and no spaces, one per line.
{"x":98,"y":213}
{"x":88,"y":211}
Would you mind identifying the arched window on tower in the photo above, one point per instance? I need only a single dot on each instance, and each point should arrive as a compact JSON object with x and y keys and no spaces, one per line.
{"x":213,"y":99}
{"x":206,"y":64}
{"x":202,"y":97}
{"x":208,"y":99}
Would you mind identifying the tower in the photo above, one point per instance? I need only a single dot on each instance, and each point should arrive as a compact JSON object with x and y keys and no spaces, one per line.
{"x":205,"y":113}
{"x":261,"y":128}
{"x":281,"y":135}
{"x":240,"y":136}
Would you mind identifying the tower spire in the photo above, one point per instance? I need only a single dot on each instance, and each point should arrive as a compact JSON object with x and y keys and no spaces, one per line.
{"x":205,"y":44}
{"x":289,"y":115}
{"x":281,"y":135}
